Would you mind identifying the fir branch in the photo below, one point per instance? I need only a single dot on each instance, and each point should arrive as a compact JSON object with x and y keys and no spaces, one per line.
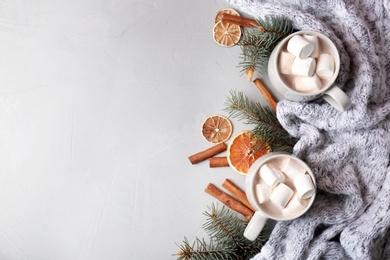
{"x":239,"y":106}
{"x":222,"y":224}
{"x":254,"y":56}
{"x":276,"y":25}
{"x":267,"y":127}
{"x":201,"y":250}
{"x":257,"y":43}
{"x":225,"y":231}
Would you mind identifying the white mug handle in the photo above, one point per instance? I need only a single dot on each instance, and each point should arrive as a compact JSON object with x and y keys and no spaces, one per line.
{"x":255,"y":225}
{"x":337,"y":98}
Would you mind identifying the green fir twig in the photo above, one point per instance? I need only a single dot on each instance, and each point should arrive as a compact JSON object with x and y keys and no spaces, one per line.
{"x":267,"y":128}
{"x":226,"y":240}
{"x":257,"y":43}
{"x":201,"y":250}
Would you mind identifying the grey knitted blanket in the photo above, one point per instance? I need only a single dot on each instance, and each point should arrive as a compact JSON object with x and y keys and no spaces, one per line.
{"x":348,"y":151}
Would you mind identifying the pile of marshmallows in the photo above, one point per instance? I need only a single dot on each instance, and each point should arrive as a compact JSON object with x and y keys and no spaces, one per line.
{"x":304,"y":60}
{"x":272,"y":186}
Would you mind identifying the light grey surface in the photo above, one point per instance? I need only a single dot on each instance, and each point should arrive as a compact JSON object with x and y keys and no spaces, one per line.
{"x":101,"y":103}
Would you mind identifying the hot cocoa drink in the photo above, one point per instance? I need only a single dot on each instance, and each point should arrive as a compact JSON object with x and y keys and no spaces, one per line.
{"x":306,"y":63}
{"x":283,"y":187}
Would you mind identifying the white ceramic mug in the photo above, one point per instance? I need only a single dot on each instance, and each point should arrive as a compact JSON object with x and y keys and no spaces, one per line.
{"x":269,"y":210}
{"x":330,"y":92}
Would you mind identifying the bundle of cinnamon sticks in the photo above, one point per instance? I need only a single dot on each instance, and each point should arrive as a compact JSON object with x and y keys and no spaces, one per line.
{"x":209,"y":153}
{"x":238,"y":203}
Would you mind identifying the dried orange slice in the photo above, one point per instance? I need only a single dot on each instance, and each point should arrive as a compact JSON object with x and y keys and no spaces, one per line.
{"x":217,"y":129}
{"x":226,"y":34}
{"x":243,"y":151}
{"x":218,"y":16}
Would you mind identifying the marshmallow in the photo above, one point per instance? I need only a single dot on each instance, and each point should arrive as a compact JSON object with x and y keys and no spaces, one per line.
{"x":314,"y":40}
{"x":291,"y":168}
{"x":281,"y":195}
{"x":325,"y":66}
{"x":304,"y":186}
{"x":270,"y":175}
{"x":295,"y":205}
{"x":262,"y":193}
{"x":300,"y":47}
{"x":286,"y":60}
{"x":303,"y":68}
{"x":307,"y":84}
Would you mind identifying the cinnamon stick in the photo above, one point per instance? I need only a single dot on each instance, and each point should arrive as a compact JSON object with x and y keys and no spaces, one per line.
{"x":246,"y":22}
{"x":218,"y":162}
{"x":237,"y":192}
{"x":266,"y":93}
{"x":229,"y":201}
{"x":203,"y":155}
{"x":241,"y":21}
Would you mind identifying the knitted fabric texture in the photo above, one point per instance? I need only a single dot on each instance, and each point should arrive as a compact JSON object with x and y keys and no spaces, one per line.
{"x":347,"y":151}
